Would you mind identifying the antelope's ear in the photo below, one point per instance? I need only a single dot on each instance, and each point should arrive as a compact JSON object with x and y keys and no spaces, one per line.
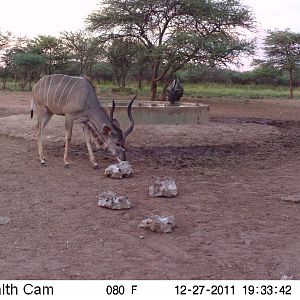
{"x":106,"y":130}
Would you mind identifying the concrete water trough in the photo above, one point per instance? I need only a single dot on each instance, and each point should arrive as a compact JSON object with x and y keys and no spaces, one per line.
{"x":158,"y":112}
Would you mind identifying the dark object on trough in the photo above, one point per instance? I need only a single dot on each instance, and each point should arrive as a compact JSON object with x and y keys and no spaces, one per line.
{"x":175,"y":91}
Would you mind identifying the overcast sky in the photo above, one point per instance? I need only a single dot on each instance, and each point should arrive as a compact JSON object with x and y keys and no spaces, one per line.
{"x":276,"y":14}
{"x":33,"y":17}
{"x":44,"y":17}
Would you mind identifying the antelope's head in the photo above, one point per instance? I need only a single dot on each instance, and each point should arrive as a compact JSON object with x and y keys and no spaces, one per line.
{"x":115,"y":137}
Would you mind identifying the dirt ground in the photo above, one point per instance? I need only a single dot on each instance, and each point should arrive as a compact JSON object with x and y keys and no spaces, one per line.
{"x":231,"y":221}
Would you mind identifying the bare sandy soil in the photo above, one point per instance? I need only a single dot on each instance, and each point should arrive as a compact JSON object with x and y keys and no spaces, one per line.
{"x":231,"y":221}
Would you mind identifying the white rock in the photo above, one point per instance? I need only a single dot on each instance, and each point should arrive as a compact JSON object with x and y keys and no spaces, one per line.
{"x":160,"y":224}
{"x":110,"y":200}
{"x":4,"y":220}
{"x":286,"y":277}
{"x":163,"y":187}
{"x":292,"y":198}
{"x":119,"y":170}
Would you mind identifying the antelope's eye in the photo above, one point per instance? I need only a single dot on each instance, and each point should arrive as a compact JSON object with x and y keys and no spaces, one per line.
{"x":118,"y":144}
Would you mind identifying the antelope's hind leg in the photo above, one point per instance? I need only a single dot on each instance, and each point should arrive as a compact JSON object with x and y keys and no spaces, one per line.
{"x":69,"y":121}
{"x":44,"y":116}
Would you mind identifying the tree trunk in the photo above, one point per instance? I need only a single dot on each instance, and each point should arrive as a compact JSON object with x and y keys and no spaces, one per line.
{"x":82,"y":68}
{"x":140,"y":79}
{"x":164,"y":92}
{"x":140,"y":84}
{"x":153,"y":89}
{"x":117,"y":77}
{"x":154,"y":82}
{"x":4,"y":82}
{"x":123,"y":82}
{"x":16,"y":79}
{"x":23,"y":83}
{"x":5,"y":78}
{"x":291,"y":84}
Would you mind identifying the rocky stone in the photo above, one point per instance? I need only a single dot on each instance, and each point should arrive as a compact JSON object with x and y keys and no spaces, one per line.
{"x":4,"y":220}
{"x":163,"y":187}
{"x":248,"y":242}
{"x":292,"y":198}
{"x":286,"y":277}
{"x":110,"y":200}
{"x":162,"y":224}
{"x":119,"y":170}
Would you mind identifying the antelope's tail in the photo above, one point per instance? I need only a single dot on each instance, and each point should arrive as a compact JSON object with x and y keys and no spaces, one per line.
{"x":32,"y":108}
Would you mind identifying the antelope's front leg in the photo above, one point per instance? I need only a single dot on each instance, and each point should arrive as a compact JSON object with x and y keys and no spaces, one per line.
{"x":88,"y":144}
{"x":43,"y":118}
{"x":69,"y":121}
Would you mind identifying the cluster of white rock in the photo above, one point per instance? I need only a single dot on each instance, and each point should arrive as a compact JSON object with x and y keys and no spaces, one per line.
{"x":162,"y":187}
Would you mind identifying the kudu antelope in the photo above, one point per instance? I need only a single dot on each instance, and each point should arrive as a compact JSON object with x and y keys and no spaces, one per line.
{"x":75,"y":98}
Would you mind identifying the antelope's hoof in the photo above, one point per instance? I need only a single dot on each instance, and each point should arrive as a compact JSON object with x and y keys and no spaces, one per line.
{"x":67,"y":166}
{"x":43,"y":162}
{"x":95,"y":167}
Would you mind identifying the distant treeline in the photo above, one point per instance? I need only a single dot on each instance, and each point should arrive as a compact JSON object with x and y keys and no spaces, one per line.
{"x":102,"y":72}
{"x":259,"y":75}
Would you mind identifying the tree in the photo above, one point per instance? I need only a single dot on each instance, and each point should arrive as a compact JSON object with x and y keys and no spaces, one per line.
{"x":102,"y":71}
{"x":121,"y":55}
{"x":83,"y":48}
{"x":266,"y":73}
{"x":4,"y":39}
{"x":141,"y":65}
{"x":51,"y":48}
{"x":6,"y":60}
{"x":176,"y":32}
{"x":282,"y":49}
{"x":27,"y":65}
{"x":14,"y":46}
